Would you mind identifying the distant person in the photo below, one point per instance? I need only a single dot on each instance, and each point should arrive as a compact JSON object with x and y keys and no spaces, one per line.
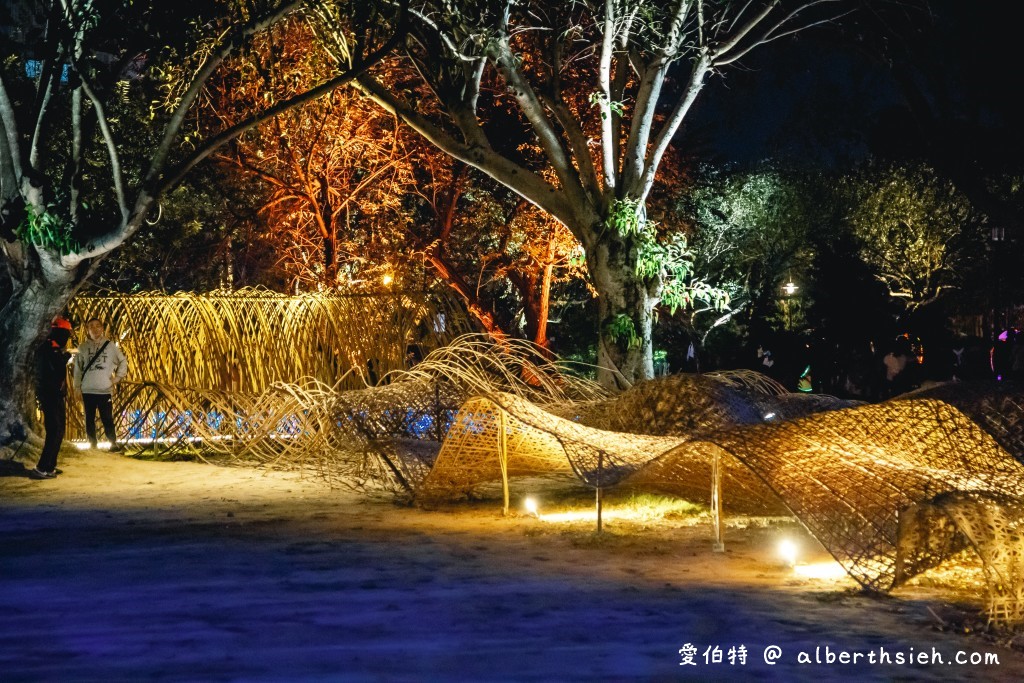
{"x":895,"y":363}
{"x":1001,"y":354}
{"x":99,"y":366}
{"x":51,"y":391}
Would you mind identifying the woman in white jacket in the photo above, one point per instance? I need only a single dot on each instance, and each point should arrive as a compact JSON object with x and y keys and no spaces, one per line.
{"x":98,"y":367}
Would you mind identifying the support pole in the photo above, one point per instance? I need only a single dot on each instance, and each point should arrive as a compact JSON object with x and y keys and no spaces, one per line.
{"x":503,"y":458}
{"x":597,"y":495}
{"x":716,"y":502}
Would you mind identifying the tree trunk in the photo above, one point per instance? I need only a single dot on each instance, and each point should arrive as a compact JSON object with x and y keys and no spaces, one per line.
{"x":24,"y":321}
{"x":535,"y":307}
{"x":626,"y":303}
{"x":537,"y":311}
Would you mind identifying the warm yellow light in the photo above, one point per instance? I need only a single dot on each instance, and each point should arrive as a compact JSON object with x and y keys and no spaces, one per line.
{"x":828,"y":571}
{"x":788,"y":551}
{"x":530,"y":504}
{"x":790,"y":288}
{"x":387,"y":279}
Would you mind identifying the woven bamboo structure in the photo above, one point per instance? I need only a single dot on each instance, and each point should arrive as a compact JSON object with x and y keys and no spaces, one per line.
{"x":369,"y":438}
{"x":249,"y":339}
{"x":191,"y":350}
{"x":890,"y":490}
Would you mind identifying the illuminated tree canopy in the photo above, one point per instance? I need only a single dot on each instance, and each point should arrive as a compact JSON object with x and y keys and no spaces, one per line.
{"x":600,"y":89}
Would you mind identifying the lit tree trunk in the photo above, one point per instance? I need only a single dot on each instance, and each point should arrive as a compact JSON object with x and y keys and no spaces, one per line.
{"x":535,"y":289}
{"x":40,"y":293}
{"x":626,"y":313}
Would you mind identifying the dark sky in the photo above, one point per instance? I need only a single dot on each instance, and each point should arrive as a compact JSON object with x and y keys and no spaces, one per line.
{"x":942,"y":75}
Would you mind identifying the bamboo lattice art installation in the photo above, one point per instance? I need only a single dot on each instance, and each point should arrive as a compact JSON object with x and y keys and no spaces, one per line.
{"x":364,"y":438}
{"x":889,"y":489}
{"x":246,"y":340}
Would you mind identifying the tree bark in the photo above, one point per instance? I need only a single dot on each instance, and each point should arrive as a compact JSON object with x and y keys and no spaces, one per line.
{"x":625,"y":351}
{"x":24,"y":320}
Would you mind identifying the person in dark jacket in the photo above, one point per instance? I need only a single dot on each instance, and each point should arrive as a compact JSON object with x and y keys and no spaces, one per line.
{"x":51,"y":390}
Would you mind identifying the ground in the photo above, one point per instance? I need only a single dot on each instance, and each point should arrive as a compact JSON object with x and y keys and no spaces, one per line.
{"x":122,"y":569}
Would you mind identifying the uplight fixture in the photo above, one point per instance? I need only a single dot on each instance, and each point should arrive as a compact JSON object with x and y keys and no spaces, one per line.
{"x":788,"y":551}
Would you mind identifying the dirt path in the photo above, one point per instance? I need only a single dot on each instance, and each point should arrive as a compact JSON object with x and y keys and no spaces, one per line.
{"x":130,"y":570}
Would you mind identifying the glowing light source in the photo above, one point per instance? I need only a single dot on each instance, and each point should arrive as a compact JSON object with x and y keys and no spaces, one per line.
{"x":788,"y":551}
{"x":790,"y":288}
{"x":387,"y":279}
{"x":530,"y":504}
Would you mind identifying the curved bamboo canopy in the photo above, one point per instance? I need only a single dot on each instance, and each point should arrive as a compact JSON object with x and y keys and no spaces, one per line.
{"x":890,"y":490}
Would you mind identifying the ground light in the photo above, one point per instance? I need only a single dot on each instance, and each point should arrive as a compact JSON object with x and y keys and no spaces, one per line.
{"x":788,"y":551}
{"x":530,"y":504}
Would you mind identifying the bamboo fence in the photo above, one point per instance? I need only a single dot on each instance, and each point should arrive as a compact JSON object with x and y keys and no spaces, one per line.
{"x":246,"y":340}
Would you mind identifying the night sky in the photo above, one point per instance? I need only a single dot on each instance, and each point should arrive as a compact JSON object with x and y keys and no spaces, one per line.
{"x":938,"y":81}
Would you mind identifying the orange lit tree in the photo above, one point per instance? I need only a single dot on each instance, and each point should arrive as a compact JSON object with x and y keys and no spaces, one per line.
{"x":488,"y":236}
{"x":341,"y":174}
{"x":336,"y":170}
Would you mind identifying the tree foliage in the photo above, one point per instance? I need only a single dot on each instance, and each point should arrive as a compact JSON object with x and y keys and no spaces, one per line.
{"x":751,"y":235}
{"x":915,"y":229}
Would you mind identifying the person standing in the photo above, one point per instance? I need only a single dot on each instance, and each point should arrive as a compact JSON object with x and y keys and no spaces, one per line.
{"x":99,"y":366}
{"x":51,"y":391}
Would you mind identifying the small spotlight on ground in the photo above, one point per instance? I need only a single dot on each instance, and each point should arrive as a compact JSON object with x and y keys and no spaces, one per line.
{"x":788,"y":551}
{"x":530,"y":504}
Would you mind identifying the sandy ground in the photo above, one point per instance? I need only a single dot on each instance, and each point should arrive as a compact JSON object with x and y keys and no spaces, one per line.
{"x":130,"y":570}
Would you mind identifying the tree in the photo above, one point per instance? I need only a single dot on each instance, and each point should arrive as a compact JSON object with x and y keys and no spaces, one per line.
{"x":76,"y":179}
{"x":601,"y":88}
{"x":914,"y":229}
{"x":337,"y":170}
{"x":751,"y":235}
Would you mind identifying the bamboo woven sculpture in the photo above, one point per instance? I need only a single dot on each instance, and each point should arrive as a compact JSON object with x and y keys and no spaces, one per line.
{"x":889,"y":489}
{"x":368,"y":438}
{"x":247,"y":340}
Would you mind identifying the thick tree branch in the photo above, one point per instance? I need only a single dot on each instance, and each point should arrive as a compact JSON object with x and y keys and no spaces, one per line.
{"x":108,"y":139}
{"x":173,"y":127}
{"x":609,"y":157}
{"x":10,"y":128}
{"x":521,"y":180}
{"x":532,"y":108}
{"x":661,"y":143}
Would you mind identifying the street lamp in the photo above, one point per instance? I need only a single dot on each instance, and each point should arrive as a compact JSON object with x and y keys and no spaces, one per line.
{"x":789,"y":289}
